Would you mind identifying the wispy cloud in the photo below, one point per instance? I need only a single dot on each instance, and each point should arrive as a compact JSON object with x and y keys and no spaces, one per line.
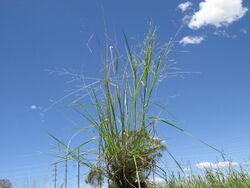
{"x":223,"y":164}
{"x":191,"y":40}
{"x":33,"y":107}
{"x":224,"y":33}
{"x":184,"y":6}
{"x":243,"y":30}
{"x":217,"y":13}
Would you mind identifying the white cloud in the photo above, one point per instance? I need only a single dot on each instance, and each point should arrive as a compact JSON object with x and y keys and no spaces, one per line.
{"x":217,"y":13}
{"x":157,"y":180}
{"x":191,"y":40}
{"x":184,"y":6}
{"x":223,"y":33}
{"x":33,"y":107}
{"x":223,"y":164}
{"x":244,"y":31}
{"x":246,"y":163}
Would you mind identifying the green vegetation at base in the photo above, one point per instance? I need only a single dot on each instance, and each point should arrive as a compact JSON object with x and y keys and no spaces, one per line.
{"x":231,"y":178}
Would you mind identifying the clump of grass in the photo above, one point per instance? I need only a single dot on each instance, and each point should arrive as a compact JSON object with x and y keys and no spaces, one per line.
{"x":128,"y":149}
{"x":127,"y":143}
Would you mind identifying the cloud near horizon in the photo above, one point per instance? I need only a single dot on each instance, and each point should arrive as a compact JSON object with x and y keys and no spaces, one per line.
{"x":223,"y":164}
{"x":217,"y":13}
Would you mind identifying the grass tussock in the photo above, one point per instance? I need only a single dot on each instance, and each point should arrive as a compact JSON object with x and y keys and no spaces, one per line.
{"x":128,"y":148}
{"x":120,"y":113}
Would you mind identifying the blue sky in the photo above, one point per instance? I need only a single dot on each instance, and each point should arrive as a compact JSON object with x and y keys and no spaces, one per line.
{"x":36,"y":36}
